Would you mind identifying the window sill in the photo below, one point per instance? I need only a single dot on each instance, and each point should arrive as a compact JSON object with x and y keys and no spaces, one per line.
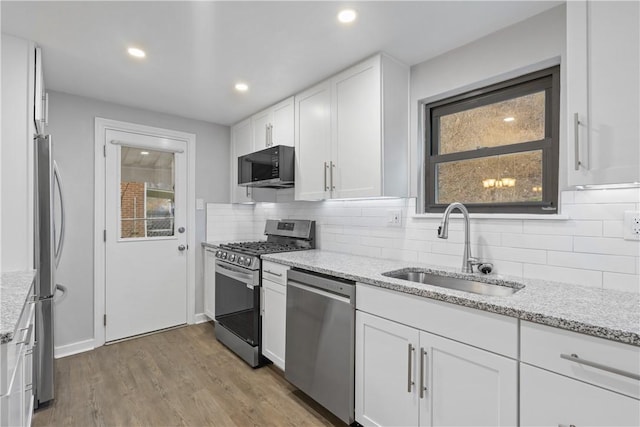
{"x":490,"y":216}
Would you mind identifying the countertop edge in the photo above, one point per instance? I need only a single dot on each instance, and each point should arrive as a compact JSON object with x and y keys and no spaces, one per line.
{"x":598,"y":331}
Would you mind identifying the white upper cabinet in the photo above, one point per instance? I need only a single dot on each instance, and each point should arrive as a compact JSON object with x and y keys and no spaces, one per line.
{"x":351,"y":133}
{"x":603,"y":102}
{"x":273,"y":126}
{"x":313,"y":143}
{"x":40,"y":97}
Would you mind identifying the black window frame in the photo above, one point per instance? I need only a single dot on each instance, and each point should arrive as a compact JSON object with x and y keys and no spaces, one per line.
{"x":547,"y":80}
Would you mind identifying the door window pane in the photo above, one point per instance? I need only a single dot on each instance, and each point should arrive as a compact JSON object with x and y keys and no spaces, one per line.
{"x":147,"y":193}
{"x":495,"y":179}
{"x":507,"y":122}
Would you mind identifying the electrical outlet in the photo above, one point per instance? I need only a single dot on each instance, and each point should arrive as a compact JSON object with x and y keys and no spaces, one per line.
{"x":394,"y":218}
{"x":631,"y":225}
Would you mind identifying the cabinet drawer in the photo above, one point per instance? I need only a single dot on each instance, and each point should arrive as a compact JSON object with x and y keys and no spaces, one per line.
{"x":552,"y":349}
{"x":275,"y":272}
{"x":478,"y":328}
{"x":11,"y":351}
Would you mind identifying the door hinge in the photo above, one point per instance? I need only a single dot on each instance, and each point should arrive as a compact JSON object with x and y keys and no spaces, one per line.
{"x":105,"y":320}
{"x":104,"y":235}
{"x":104,"y":150}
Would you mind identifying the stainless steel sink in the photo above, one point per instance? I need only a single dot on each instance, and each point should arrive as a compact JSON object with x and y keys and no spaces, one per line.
{"x":502,"y":289}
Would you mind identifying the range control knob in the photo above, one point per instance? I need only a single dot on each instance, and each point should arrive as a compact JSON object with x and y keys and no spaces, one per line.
{"x":218,"y":254}
{"x":247,"y":261}
{"x":241,"y":260}
{"x":232,"y":257}
{"x":224,"y":255}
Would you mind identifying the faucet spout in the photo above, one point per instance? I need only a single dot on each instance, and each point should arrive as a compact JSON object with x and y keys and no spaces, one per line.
{"x":443,"y":233}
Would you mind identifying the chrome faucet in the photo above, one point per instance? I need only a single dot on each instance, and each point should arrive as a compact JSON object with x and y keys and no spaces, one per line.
{"x":443,"y":232}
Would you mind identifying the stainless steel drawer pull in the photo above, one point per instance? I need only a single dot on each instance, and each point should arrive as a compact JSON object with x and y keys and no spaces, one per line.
{"x":326,"y":167}
{"x":409,"y":379}
{"x":275,"y":274}
{"x":423,"y":355}
{"x":574,"y":358}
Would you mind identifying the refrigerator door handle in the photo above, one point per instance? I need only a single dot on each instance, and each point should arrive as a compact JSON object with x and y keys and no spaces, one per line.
{"x":58,"y":247}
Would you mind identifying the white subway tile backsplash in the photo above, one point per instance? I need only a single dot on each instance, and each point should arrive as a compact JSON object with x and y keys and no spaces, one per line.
{"x":621,"y":282}
{"x":536,"y":241}
{"x":608,"y":196}
{"x":586,"y":249}
{"x":612,"y":263}
{"x":606,"y":245}
{"x":564,"y":274}
{"x":564,"y":228}
{"x":598,"y":211}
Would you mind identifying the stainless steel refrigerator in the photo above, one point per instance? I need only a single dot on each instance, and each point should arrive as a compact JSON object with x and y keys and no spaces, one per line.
{"x":49,"y":238}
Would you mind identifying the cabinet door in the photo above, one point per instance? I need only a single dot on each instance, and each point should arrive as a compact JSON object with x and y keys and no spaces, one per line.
{"x":283,"y":123}
{"x":313,"y":142}
{"x":209,"y":283}
{"x":357,"y":132}
{"x":274,"y":320}
{"x":466,"y":386}
{"x":386,"y":364}
{"x":603,"y":64}
{"x":260,"y":124}
{"x":241,"y":144}
{"x":548,"y":399}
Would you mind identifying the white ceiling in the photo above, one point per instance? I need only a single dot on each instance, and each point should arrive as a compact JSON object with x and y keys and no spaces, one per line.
{"x":196,"y":51}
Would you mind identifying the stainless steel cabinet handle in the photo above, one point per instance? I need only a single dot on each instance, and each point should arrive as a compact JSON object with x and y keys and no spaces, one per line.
{"x":333,"y":167}
{"x":409,"y":379}
{"x":574,"y":358}
{"x":326,"y":167}
{"x":266,"y":134}
{"x":576,"y":141}
{"x":275,"y":274}
{"x":247,"y":191}
{"x":423,"y":355}
{"x":270,"y":135}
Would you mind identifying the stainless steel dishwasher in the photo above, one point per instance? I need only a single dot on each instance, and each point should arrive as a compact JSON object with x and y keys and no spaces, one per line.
{"x":320,"y":339}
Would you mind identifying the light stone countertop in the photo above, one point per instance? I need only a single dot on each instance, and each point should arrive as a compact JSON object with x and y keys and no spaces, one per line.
{"x":14,"y":288}
{"x":609,"y":314}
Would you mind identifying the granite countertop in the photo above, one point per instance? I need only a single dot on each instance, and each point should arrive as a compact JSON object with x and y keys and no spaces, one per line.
{"x":609,"y":314}
{"x":14,"y":288}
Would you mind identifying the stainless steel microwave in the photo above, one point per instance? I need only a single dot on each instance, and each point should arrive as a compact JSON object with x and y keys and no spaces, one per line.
{"x":268,"y":168}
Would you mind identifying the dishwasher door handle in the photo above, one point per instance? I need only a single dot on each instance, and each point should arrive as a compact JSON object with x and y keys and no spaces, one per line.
{"x":318,"y":291}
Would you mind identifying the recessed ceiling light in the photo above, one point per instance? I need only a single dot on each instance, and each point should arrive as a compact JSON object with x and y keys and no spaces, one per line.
{"x":509,"y":119}
{"x":138,"y":53}
{"x":347,"y":16}
{"x":242,"y":87}
{"x":144,"y":153}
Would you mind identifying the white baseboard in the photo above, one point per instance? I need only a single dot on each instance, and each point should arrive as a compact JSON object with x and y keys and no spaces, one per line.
{"x":201,"y":318}
{"x":74,"y":348}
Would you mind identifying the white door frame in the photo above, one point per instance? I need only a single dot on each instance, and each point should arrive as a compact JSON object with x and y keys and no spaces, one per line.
{"x":101,"y":127}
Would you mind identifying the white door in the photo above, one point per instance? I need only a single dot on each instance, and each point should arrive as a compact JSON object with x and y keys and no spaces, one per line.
{"x":466,"y":386}
{"x":386,"y":377}
{"x":146,"y":236}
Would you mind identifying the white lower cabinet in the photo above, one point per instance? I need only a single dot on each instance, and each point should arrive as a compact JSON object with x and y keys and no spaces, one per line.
{"x":549,"y":399}
{"x":409,"y":377}
{"x":274,"y":312}
{"x":210,"y":283}
{"x":16,"y":372}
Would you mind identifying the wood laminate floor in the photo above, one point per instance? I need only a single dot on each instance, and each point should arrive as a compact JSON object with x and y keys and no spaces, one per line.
{"x":178,"y":377}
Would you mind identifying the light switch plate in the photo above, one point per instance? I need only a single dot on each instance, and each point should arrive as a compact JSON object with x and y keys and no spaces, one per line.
{"x":200,"y":204}
{"x":394,"y":218}
{"x":631,"y":225}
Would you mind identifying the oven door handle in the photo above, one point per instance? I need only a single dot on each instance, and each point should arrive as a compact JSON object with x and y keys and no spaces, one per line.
{"x":241,"y":276}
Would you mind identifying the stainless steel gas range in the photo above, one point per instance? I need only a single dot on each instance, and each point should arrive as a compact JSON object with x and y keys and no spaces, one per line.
{"x":238,"y":282}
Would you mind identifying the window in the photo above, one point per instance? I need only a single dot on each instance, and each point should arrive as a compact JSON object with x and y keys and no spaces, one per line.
{"x":495,"y":149}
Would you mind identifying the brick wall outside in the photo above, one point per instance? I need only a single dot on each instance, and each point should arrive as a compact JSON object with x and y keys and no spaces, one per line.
{"x":130,"y":192}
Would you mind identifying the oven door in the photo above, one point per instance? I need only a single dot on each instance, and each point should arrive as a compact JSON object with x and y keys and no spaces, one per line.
{"x":238,"y":301}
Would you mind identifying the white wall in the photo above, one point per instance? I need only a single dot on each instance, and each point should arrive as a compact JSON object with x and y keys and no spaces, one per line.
{"x":71,"y":124}
{"x":535,"y":43}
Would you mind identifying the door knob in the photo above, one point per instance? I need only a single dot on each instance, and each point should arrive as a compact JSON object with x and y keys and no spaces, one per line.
{"x":182,"y":248}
